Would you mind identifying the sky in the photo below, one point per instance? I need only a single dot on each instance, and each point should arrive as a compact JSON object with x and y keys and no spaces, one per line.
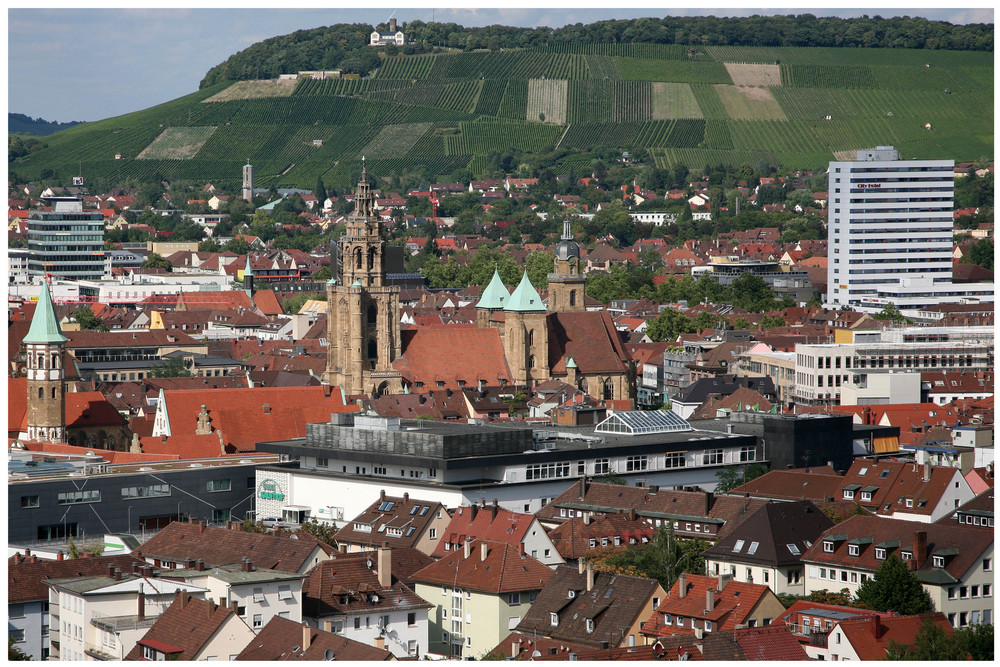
{"x":90,"y":64}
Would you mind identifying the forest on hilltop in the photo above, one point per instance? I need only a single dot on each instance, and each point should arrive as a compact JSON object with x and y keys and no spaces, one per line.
{"x":345,"y":46}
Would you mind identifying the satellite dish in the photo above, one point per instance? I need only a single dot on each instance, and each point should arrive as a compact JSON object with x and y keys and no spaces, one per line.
{"x":536,"y":654}
{"x":659,"y":650}
{"x":375,"y":599}
{"x":329,"y":655}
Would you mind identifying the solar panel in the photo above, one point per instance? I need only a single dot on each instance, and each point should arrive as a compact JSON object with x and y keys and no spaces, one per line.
{"x":635,"y":422}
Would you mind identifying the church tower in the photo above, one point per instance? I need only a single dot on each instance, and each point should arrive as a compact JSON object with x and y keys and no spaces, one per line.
{"x":248,"y":279}
{"x":44,"y":346}
{"x":362,"y":309}
{"x":566,"y":282}
{"x":526,"y":335}
{"x":248,"y":181}
{"x":492,"y":299}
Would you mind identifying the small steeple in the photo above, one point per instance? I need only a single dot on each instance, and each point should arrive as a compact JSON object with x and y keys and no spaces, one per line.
{"x":525,"y":298}
{"x":567,"y":234}
{"x":495,"y":294}
{"x":44,"y":323}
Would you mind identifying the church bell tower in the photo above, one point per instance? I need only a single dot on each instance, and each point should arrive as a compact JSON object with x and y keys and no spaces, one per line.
{"x":362,"y":309}
{"x":567,"y":282}
{"x":44,"y":346}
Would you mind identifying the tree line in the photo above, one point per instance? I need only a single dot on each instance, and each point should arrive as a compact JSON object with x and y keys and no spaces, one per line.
{"x":345,"y":46}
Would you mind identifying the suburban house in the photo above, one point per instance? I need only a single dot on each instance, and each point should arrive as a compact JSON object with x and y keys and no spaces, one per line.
{"x":257,"y":594}
{"x":596,"y":609}
{"x":905,"y":490}
{"x":578,"y":535}
{"x":954,"y":563}
{"x":282,"y":639}
{"x":522,"y":531}
{"x":811,"y":623}
{"x":767,"y":547}
{"x":482,"y":591}
{"x":193,"y":629}
{"x":102,"y":617}
{"x":697,"y":605}
{"x":360,"y":597}
{"x":28,"y":610}
{"x":398,"y":522}
{"x":867,"y":638}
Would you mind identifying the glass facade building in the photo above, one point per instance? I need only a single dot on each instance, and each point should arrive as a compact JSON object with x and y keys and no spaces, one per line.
{"x":67,"y":241}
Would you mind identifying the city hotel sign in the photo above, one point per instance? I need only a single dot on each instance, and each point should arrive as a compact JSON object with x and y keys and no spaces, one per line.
{"x":268,"y":489}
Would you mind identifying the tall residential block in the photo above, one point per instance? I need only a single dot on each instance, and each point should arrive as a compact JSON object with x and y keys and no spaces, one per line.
{"x":67,"y":241}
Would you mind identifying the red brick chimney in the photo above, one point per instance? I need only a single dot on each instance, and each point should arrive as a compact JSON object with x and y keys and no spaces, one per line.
{"x":141,"y":612}
{"x":919,"y":548}
{"x":876,"y":626}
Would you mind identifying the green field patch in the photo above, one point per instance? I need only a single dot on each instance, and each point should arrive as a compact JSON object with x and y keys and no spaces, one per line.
{"x":794,"y":55}
{"x":717,"y":134}
{"x":514,"y":103}
{"x":686,"y":133}
{"x":625,"y":50}
{"x":396,"y":140}
{"x":486,"y":137}
{"x":674,"y":100}
{"x":490,"y":97}
{"x":696,"y":157}
{"x":621,"y":136}
{"x":609,"y":101}
{"x":744,"y":102}
{"x":924,"y":78}
{"x":828,"y":76}
{"x":248,"y":90}
{"x":516,"y":64}
{"x":547,"y":100}
{"x":602,"y":67}
{"x":177,"y":143}
{"x":708,"y":101}
{"x":406,"y":67}
{"x":679,"y":71}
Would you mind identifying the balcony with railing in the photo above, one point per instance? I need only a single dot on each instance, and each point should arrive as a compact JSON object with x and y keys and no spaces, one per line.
{"x":812,"y":635}
{"x":116,"y":624}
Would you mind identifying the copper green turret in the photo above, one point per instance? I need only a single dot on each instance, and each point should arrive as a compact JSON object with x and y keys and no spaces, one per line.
{"x":44,"y":323}
{"x":525,"y":298}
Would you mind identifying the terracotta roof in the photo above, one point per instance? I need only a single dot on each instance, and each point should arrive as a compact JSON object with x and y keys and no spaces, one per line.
{"x":505,"y":569}
{"x":818,"y":484}
{"x":187,"y":624}
{"x":249,"y":416}
{"x":90,"y":408}
{"x":213,"y":300}
{"x":969,"y":542}
{"x":180,"y":541}
{"x":870,"y":636}
{"x":521,"y":646}
{"x":572,"y":539}
{"x":267,"y":302}
{"x":403,"y":513}
{"x":129,"y":339}
{"x":349,"y":584}
{"x":614,"y":600}
{"x":452,"y":354}
{"x":891,"y":482}
{"x":733,"y":604}
{"x":590,"y":338}
{"x":282,"y":639}
{"x":772,"y":642}
{"x":25,"y":574}
{"x":492,"y":523}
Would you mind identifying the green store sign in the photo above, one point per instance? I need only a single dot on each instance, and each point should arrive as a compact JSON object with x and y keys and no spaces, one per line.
{"x":268,"y":489}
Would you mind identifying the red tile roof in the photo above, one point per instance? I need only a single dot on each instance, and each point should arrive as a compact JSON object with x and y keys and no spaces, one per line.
{"x":870,"y":636}
{"x":187,"y":624}
{"x":282,"y":639}
{"x":25,"y":573}
{"x":450,"y":354}
{"x":590,"y":338}
{"x":772,"y":642}
{"x":504,"y":570}
{"x":733,"y":604}
{"x":180,"y":541}
{"x":213,"y":300}
{"x":490,"y":523}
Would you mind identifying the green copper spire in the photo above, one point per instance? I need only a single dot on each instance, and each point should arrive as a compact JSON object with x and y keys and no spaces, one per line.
{"x":525,"y":298}
{"x":495,"y":294}
{"x":571,"y":363}
{"x":44,"y":323}
{"x":247,"y":271}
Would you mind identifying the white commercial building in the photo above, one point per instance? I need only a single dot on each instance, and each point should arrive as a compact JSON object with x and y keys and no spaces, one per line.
{"x":890,"y":233}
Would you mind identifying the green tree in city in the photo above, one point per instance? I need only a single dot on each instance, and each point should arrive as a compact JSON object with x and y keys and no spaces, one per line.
{"x":85,"y":317}
{"x":155,"y":261}
{"x":732,"y":476}
{"x":13,"y":652}
{"x":981,"y":254}
{"x":890,"y":312}
{"x":894,"y":587}
{"x":175,"y":367}
{"x":932,"y":642}
{"x":668,"y":325}
{"x":320,"y":191}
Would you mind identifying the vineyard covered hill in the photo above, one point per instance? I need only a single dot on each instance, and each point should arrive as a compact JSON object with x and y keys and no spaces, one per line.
{"x":439,"y":113}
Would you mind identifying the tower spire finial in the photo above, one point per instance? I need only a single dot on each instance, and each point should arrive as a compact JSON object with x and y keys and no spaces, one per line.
{"x":567,"y":232}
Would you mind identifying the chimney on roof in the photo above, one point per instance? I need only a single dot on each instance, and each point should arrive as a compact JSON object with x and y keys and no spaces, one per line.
{"x":189,"y":563}
{"x":586,"y":518}
{"x":876,"y":626}
{"x":484,"y":550}
{"x":118,"y":574}
{"x":229,"y":525}
{"x":580,"y":566}
{"x":199,"y":565}
{"x":306,"y":637}
{"x":590,"y":576}
{"x":682,"y":584}
{"x":472,"y":513}
{"x":380,"y":643}
{"x":919,"y":548}
{"x":267,"y":408}
{"x":927,"y":471}
{"x":141,"y":600}
{"x":147,"y":570}
{"x":406,"y":496}
{"x":111,"y":569}
{"x":327,"y":626}
{"x":709,"y":599}
{"x":385,"y":567}
{"x":59,"y":556}
{"x":467,"y":547}
{"x":381,"y":495}
{"x":247,"y":564}
{"x":201,"y":527}
{"x":631,"y":514}
{"x":180,"y":598}
{"x":724,"y":581}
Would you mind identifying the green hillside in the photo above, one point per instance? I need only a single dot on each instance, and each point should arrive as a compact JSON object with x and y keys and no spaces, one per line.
{"x":438,"y":113}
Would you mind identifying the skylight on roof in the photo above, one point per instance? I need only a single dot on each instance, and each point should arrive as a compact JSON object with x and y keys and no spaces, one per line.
{"x":753,"y":548}
{"x":635,"y":422}
{"x":386,"y":506}
{"x":794,"y":549}
{"x":861,"y":473}
{"x":738,"y":547}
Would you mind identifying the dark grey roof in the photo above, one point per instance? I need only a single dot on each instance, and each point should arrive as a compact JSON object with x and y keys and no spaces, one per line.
{"x":773,"y":527}
{"x":725,"y":385}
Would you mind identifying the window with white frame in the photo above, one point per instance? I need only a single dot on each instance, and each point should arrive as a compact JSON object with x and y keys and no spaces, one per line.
{"x":635,"y":463}
{"x":602,"y":466}
{"x":675,"y":460}
{"x":284,"y":592}
{"x":258,"y":595}
{"x":711,"y":457}
{"x":827,"y":546}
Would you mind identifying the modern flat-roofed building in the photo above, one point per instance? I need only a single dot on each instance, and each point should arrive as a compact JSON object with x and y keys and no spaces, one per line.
{"x":344,"y":466}
{"x":66,"y":241}
{"x":890,"y":233}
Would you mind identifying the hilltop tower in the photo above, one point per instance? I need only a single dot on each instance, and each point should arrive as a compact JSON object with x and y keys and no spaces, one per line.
{"x":362,"y":314}
{"x":566,"y":282}
{"x":526,"y":335}
{"x":44,"y":346}
{"x":248,"y":181}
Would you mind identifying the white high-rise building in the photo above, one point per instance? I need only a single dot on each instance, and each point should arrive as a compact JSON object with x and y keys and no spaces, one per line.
{"x":890,"y":233}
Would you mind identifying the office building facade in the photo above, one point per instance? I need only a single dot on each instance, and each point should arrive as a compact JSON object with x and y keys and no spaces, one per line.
{"x":67,"y":241}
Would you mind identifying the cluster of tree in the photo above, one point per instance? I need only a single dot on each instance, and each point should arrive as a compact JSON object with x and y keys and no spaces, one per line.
{"x":732,"y":476}
{"x":663,"y":558}
{"x":981,"y":253}
{"x":18,"y":147}
{"x":345,"y":46}
{"x":932,"y":642}
{"x":479,"y":271}
{"x":18,"y":123}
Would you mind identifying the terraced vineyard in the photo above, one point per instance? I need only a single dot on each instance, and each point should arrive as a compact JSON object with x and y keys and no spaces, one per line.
{"x":440,"y":112}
